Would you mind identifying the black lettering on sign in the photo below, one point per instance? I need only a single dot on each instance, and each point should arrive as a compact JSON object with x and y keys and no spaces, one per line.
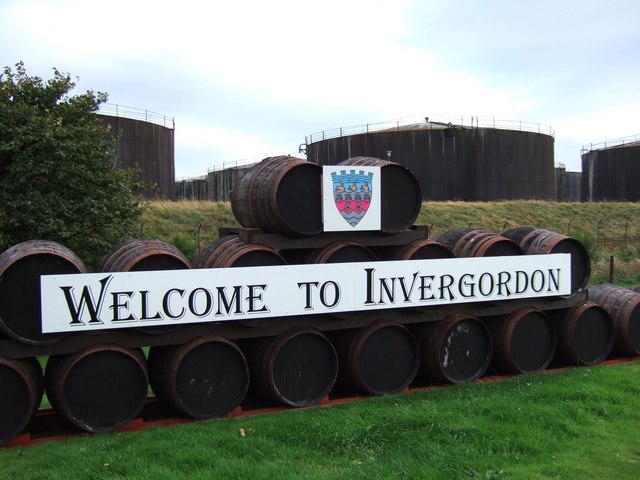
{"x":87,"y":300}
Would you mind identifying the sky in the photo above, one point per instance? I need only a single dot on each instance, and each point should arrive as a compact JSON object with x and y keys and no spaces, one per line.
{"x":247,"y":79}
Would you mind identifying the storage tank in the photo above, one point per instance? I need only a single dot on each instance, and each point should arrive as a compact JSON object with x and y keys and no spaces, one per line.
{"x":568,"y":184}
{"x":146,"y":142}
{"x":610,"y":170}
{"x":482,"y":160}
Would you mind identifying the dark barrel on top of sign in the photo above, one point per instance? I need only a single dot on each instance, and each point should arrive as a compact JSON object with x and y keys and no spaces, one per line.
{"x":231,"y":251}
{"x":341,"y":252}
{"x":538,"y":241}
{"x":400,"y":193}
{"x":471,"y":242}
{"x":623,"y":306}
{"x":423,"y":249}
{"x":141,"y":255}
{"x":585,"y":334}
{"x":282,"y":195}
{"x":344,"y":251}
{"x":21,"y":267}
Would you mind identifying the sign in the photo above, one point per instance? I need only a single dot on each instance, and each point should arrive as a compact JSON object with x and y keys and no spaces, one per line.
{"x":350,"y":198}
{"x":98,"y":301}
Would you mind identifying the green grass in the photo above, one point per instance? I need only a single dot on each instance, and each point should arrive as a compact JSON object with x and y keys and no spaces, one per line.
{"x":189,"y":226}
{"x":576,"y":424}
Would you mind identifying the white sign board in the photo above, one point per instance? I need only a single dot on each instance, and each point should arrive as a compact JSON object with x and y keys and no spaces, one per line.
{"x":97,"y":301}
{"x":351,"y":198}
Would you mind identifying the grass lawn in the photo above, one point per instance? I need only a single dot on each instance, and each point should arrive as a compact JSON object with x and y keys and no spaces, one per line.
{"x":579,"y":423}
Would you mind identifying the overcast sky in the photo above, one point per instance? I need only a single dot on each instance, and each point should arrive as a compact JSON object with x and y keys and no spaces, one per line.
{"x":245,"y":79}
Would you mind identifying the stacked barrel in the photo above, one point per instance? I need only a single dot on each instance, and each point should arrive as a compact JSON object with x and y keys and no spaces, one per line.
{"x":99,"y":382}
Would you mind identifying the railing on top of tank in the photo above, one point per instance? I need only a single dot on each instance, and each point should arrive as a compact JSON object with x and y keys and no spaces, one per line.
{"x":122,"y":111}
{"x":247,"y":162}
{"x":616,"y":142}
{"x":434,"y":123}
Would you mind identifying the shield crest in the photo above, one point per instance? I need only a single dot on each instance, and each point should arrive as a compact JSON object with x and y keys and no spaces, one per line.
{"x":352,"y":191}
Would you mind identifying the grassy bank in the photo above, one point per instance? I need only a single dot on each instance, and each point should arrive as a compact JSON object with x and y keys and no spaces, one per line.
{"x":610,"y":229}
{"x":575,"y":424}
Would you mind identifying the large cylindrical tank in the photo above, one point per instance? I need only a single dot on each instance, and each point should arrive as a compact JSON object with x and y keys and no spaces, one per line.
{"x":146,"y":142}
{"x":455,"y":162}
{"x":611,"y":173}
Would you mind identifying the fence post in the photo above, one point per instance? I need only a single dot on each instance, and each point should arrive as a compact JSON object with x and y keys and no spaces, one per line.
{"x":598,"y":232}
{"x":626,"y":229}
{"x":611,"y":269}
{"x":569,"y":225}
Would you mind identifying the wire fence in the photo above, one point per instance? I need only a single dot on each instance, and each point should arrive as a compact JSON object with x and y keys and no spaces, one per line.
{"x":122,"y":111}
{"x":432,"y":123}
{"x":247,"y":162}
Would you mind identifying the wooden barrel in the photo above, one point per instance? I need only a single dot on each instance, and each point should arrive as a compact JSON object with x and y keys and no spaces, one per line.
{"x":141,"y":255}
{"x":282,"y":195}
{"x":99,"y":388}
{"x":623,"y":306}
{"x":400,"y":193}
{"x":585,"y":334}
{"x":456,"y":349}
{"x":204,"y":378}
{"x":423,"y":249}
{"x":296,"y":368}
{"x":22,"y":388}
{"x":343,"y":251}
{"x":470,"y":242}
{"x":230,"y":251}
{"x":524,"y":341}
{"x":21,"y":267}
{"x":378,"y":359}
{"x":538,"y":241}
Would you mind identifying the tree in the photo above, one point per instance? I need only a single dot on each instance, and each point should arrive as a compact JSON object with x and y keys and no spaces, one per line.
{"x":58,"y":176}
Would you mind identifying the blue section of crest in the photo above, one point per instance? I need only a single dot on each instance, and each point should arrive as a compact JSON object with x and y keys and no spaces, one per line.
{"x":352,"y":185}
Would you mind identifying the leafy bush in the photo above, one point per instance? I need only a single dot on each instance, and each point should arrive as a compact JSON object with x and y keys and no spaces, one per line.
{"x":58,"y":179}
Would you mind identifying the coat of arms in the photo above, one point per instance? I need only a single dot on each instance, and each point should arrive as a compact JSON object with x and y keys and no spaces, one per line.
{"x":352,"y":192}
